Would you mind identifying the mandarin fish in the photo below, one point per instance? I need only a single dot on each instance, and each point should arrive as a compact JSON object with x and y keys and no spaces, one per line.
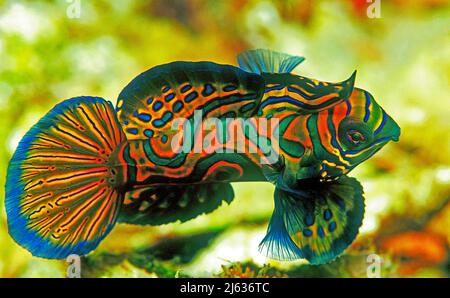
{"x":86,"y":165}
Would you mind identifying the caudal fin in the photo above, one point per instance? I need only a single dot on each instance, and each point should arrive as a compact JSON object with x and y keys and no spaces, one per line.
{"x":61,"y":186}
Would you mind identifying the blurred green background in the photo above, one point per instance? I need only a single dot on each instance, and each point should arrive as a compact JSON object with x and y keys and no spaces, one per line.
{"x":48,"y":54}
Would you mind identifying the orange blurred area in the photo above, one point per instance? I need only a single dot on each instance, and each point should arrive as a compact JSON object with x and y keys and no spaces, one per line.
{"x":416,"y":250}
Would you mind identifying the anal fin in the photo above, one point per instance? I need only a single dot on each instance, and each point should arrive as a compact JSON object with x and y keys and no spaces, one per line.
{"x":171,"y":203}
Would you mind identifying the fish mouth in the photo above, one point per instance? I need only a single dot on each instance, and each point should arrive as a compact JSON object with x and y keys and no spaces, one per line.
{"x":391,"y":137}
{"x":396,"y":135}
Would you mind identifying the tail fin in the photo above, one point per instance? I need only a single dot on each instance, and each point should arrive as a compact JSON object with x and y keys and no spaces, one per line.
{"x":61,"y":186}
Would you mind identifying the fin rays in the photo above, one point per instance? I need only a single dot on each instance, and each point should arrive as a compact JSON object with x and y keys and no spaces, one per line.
{"x":266,"y":61}
{"x":316,"y":221}
{"x":59,"y":198}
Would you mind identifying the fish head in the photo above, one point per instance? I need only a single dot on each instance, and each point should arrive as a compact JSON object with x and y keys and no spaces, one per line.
{"x":351,"y":132}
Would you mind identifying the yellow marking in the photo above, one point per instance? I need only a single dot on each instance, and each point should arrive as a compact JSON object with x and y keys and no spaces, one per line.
{"x":332,"y":164}
{"x":360,"y":152}
{"x":301,"y":90}
{"x":316,"y":82}
{"x":341,"y":159}
{"x":120,"y":103}
{"x":380,"y":118}
{"x":353,"y":154}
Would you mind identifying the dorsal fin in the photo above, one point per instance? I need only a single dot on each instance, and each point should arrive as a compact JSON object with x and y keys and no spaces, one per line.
{"x":261,"y":60}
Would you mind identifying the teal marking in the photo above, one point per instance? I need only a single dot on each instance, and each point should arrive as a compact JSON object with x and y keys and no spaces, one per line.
{"x":148,"y":133}
{"x":177,"y":106}
{"x":191,"y":96}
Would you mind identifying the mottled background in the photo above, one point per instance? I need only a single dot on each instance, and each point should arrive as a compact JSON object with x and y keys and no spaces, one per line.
{"x":402,"y":58}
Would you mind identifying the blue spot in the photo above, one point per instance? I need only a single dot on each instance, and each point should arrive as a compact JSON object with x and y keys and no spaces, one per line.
{"x":135,"y":113}
{"x":165,"y":89}
{"x":169,"y":97}
{"x":307,"y":232}
{"x":133,"y":131}
{"x":332,"y":226}
{"x":144,"y":117}
{"x":157,"y":106}
{"x":164,"y":139}
{"x":186,"y":88}
{"x":208,"y":89}
{"x":148,"y":133}
{"x":268,"y":116}
{"x":327,"y":214}
{"x":368,"y":101}
{"x":320,"y":232}
{"x":150,"y":100}
{"x":349,"y":108}
{"x":191,"y":96}
{"x":229,"y":88}
{"x":177,"y":106}
{"x":309,"y":219}
{"x":126,"y":122}
{"x":280,"y":109}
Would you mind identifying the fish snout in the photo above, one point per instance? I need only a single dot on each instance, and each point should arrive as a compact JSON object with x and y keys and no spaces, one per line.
{"x":396,"y":135}
{"x":391,"y":130}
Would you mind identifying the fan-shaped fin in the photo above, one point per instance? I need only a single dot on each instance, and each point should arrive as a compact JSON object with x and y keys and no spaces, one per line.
{"x":316,"y":221}
{"x":266,"y":61}
{"x":61,"y":195}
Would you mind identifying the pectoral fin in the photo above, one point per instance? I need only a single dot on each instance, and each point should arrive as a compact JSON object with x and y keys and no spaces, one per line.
{"x":316,"y":220}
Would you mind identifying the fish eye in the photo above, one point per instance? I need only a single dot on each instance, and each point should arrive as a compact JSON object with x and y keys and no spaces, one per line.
{"x":354,"y":134}
{"x":356,"y":137}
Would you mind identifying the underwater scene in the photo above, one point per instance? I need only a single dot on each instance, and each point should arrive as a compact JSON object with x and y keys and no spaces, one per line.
{"x":225,"y":138}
